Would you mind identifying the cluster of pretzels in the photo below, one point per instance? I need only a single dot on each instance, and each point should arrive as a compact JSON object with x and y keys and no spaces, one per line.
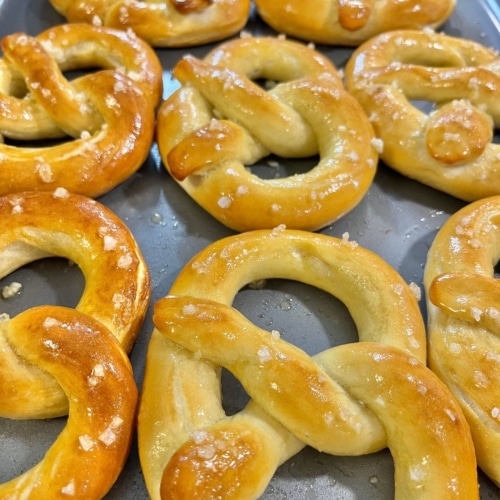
{"x":250,"y":100}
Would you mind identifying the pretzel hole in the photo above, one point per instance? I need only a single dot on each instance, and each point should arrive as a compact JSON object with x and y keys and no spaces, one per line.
{"x":301,"y":314}
{"x":26,"y":442}
{"x":496,"y":270}
{"x":424,"y":106}
{"x":52,"y":280}
{"x":275,"y":167}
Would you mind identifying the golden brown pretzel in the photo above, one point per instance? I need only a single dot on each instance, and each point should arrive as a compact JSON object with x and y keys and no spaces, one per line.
{"x":95,"y":373}
{"x":109,"y":114}
{"x":449,"y":148}
{"x":117,"y":283}
{"x":187,"y":444}
{"x":462,"y":296}
{"x":221,"y":121}
{"x":162,"y":23}
{"x":350,"y":22}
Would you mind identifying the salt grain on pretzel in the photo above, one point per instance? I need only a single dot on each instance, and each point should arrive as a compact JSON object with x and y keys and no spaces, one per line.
{"x":449,"y":147}
{"x":170,"y":23}
{"x":90,"y":452}
{"x":463,"y":320}
{"x":350,"y":22}
{"x":106,"y":118}
{"x":188,"y":446}
{"x":117,"y":283}
{"x":221,"y":121}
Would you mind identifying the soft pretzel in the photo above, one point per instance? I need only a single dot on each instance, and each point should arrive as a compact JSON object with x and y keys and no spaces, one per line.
{"x":350,"y":22}
{"x":108,"y":114}
{"x":449,"y":148}
{"x":221,"y":121}
{"x":167,"y":23}
{"x":95,"y":373}
{"x":462,"y":296}
{"x":187,"y":445}
{"x":117,"y":283}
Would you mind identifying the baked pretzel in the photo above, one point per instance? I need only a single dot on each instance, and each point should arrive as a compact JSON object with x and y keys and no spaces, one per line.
{"x":187,"y":445}
{"x":449,"y":148}
{"x":350,"y":22}
{"x":109,"y":114}
{"x":221,"y":121}
{"x":94,"y":372}
{"x":167,"y":23}
{"x":462,"y":297}
{"x":117,"y":283}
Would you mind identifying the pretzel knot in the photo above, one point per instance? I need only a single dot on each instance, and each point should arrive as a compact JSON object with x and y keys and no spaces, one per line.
{"x":117,"y":283}
{"x":348,"y":400}
{"x":449,"y":148}
{"x":108,"y":114}
{"x":350,"y":22}
{"x":170,"y":23}
{"x":463,"y":295}
{"x":93,"y":370}
{"x":221,"y":121}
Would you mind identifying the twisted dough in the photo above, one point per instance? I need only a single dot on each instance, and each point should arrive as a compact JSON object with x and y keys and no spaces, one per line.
{"x":220,"y":121}
{"x":108,"y":114}
{"x":462,"y":295}
{"x":350,"y":22}
{"x":117,"y":283}
{"x":170,"y":23}
{"x":89,"y":364}
{"x":189,"y":447}
{"x":449,"y":148}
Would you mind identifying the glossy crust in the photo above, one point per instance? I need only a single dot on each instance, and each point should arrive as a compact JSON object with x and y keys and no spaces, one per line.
{"x":350,"y":22}
{"x":117,"y":282}
{"x":105,"y":118}
{"x":221,"y":121}
{"x":464,"y":345}
{"x":170,"y":23}
{"x":189,"y":448}
{"x":448,"y":147}
{"x":93,"y":370}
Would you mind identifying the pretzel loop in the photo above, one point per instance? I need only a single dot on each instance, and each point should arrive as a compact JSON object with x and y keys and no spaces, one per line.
{"x":220,"y":121}
{"x":117,"y":283}
{"x":451,"y":144}
{"x":105,"y":112}
{"x":463,"y":320}
{"x":171,"y":23}
{"x":351,"y":22}
{"x":188,"y":444}
{"x":89,"y":364}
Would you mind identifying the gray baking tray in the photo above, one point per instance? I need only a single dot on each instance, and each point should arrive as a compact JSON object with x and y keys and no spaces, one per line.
{"x":397,"y":219}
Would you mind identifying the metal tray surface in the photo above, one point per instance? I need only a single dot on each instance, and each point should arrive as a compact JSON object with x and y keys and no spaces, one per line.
{"x":397,"y":219}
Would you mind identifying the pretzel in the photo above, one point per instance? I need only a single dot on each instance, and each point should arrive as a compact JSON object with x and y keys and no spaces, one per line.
{"x":170,"y":23}
{"x":188,"y":446}
{"x":462,"y":296}
{"x":95,"y":373}
{"x":220,"y":121}
{"x":117,"y":283}
{"x":109,"y":114}
{"x":449,"y":148}
{"x":350,"y":22}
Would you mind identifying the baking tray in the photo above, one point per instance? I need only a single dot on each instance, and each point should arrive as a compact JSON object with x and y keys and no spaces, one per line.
{"x":397,"y":219}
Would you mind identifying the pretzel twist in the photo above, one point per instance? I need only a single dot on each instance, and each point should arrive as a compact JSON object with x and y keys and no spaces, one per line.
{"x":117,"y":283}
{"x":462,"y":296}
{"x":350,"y":22}
{"x":95,"y":373}
{"x":220,"y":121}
{"x":188,"y":446}
{"x":108,"y":114}
{"x":170,"y":23}
{"x":449,"y":148}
